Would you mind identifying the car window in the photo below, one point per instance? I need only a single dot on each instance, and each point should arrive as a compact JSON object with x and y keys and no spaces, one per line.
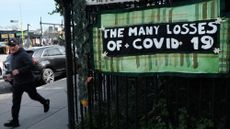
{"x":62,"y":48}
{"x":37,"y":53}
{"x":52,"y":52}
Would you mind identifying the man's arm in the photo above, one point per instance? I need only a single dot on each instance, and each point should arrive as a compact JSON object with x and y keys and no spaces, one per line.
{"x":27,"y":65}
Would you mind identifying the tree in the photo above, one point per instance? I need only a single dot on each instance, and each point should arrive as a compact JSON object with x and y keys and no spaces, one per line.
{"x":59,"y":7}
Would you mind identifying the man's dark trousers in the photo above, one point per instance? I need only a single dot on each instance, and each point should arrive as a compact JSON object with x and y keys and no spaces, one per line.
{"x":18,"y":91}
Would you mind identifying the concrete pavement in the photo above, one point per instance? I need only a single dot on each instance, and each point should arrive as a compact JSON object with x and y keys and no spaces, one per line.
{"x":31,"y":112}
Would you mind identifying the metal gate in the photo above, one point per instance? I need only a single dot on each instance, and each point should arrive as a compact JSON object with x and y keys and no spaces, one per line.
{"x":144,"y":102}
{"x":157,"y":102}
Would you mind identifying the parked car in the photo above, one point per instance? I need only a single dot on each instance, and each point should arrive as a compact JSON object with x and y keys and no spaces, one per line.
{"x":49,"y":62}
{"x":4,"y":52}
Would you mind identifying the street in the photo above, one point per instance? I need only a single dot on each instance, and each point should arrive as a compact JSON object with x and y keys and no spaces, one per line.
{"x":31,"y":112}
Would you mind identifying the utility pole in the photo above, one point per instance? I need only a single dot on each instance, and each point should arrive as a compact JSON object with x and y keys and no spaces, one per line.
{"x":28,"y":29}
{"x":28,"y":43}
{"x":41,"y":31}
{"x":22,"y":33}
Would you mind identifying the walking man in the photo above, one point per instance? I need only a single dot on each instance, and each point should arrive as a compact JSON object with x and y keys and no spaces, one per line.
{"x":23,"y":79}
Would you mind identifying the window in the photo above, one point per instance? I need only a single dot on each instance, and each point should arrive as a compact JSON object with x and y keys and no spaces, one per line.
{"x":52,"y":52}
{"x":37,"y":53}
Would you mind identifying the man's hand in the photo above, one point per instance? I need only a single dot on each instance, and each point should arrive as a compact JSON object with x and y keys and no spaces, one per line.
{"x":15,"y":72}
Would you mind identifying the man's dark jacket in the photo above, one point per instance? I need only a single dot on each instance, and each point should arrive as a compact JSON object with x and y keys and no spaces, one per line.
{"x":23,"y":62}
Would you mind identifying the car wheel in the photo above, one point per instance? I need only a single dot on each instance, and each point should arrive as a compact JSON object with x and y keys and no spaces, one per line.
{"x":48,"y":76}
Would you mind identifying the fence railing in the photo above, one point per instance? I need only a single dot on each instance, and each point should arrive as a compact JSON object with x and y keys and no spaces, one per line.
{"x":156,"y":102}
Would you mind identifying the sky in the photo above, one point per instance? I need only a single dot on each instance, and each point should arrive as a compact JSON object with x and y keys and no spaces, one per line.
{"x":27,"y":12}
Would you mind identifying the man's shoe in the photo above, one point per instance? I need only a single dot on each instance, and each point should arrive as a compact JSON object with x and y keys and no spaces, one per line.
{"x":12,"y":123}
{"x":47,"y":105}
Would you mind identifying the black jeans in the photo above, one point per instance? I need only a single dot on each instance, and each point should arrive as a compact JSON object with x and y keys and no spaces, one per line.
{"x":18,"y":91}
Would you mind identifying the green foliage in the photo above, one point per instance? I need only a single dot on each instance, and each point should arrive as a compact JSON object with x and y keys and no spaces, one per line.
{"x":183,"y":119}
{"x":81,"y":41}
{"x":146,"y":109}
{"x":80,"y":37}
{"x":59,"y":7}
{"x":158,"y":118}
{"x":204,"y":124}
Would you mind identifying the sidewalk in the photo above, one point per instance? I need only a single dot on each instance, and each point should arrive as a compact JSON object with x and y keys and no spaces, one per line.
{"x":31,"y":112}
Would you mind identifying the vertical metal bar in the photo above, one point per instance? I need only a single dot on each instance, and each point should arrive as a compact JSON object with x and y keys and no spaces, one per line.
{"x":167,"y":93}
{"x":188,"y":99}
{"x":82,"y":117}
{"x":177,"y":103}
{"x":104,"y":88}
{"x":213,"y":99}
{"x":117,"y":104}
{"x":95,"y":89}
{"x":76,"y":97}
{"x":136,"y":104}
{"x":127,"y":102}
{"x":227,"y":92}
{"x":100,"y":100}
{"x":108,"y":101}
{"x":146,"y":100}
{"x":157,"y":89}
{"x":90,"y":106}
{"x":200,"y":97}
{"x":69,"y":64}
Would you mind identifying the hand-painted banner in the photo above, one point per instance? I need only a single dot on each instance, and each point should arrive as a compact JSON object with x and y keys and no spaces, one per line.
{"x":189,"y":39}
{"x":183,"y":37}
